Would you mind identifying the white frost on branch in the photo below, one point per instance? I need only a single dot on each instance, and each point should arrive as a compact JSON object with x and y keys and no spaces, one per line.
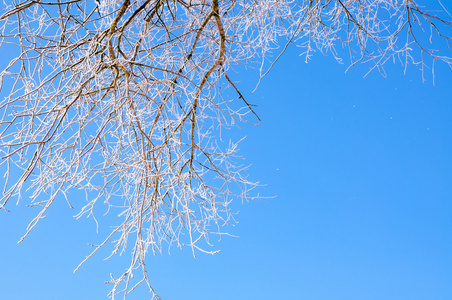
{"x":126,"y":102}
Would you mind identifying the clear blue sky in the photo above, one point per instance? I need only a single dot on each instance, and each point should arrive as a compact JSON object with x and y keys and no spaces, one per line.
{"x":361,"y":168}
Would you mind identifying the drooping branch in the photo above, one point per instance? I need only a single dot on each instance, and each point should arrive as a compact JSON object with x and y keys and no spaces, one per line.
{"x":127,"y":105}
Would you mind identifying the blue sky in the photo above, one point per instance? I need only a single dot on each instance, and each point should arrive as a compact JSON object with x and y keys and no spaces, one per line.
{"x":361,"y":171}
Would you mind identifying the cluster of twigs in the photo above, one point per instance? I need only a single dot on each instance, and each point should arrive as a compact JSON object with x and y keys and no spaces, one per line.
{"x":124,"y":100}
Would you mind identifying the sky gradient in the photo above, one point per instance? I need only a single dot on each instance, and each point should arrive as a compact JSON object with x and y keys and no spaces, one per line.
{"x":361,"y":173}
